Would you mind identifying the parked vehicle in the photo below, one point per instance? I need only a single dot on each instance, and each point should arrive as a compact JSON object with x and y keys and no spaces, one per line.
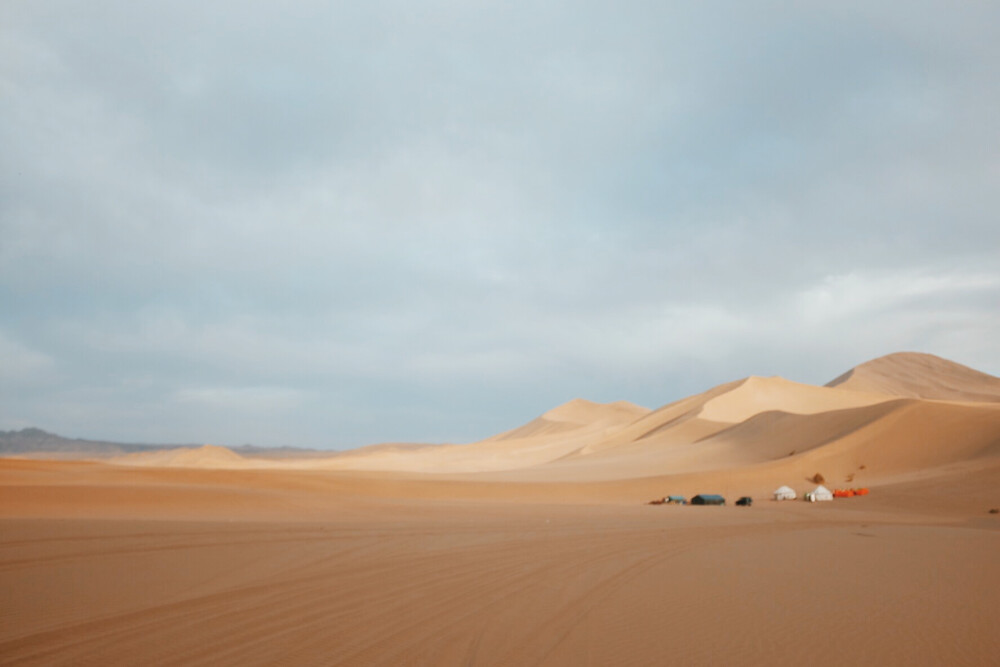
{"x":745,"y":501}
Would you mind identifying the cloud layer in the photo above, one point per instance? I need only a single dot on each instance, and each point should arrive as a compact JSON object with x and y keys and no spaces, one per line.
{"x":336,"y":225}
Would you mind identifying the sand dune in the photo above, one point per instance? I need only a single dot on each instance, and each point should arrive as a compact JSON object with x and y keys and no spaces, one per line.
{"x":861,"y":420}
{"x":206,"y":456}
{"x":690,"y":421}
{"x":747,"y":422}
{"x":582,"y":428}
{"x":756,"y":395}
{"x":916,"y":375}
{"x":553,"y":435}
{"x":574,"y":415}
{"x":754,"y":434}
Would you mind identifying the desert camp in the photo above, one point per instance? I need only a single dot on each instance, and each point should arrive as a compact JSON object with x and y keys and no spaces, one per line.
{"x":819,"y":494}
{"x":785,"y":493}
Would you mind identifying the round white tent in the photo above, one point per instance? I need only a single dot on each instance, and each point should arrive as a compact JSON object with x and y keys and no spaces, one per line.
{"x":819,"y":493}
{"x":785,"y":493}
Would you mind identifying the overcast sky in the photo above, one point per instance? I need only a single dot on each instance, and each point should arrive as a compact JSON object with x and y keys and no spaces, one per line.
{"x":338,"y":223}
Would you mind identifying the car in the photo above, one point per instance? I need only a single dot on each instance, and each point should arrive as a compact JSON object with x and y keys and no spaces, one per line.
{"x":745,"y":501}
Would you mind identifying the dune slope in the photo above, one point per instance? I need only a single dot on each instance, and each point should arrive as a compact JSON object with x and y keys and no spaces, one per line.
{"x":918,"y":375}
{"x":206,"y":456}
{"x":891,"y":415}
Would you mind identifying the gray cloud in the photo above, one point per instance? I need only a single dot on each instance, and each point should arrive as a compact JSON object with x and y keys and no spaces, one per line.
{"x":333,"y":225}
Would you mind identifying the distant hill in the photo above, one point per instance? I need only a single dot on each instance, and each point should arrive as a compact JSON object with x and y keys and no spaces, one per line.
{"x":36,"y":442}
{"x":206,"y":456}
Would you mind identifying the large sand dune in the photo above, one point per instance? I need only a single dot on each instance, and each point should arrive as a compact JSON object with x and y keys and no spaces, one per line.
{"x":916,"y":375}
{"x":206,"y":456}
{"x":752,"y":421}
{"x":536,"y":546}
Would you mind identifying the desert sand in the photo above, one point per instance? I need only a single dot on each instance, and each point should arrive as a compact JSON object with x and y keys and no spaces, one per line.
{"x":537,"y":546}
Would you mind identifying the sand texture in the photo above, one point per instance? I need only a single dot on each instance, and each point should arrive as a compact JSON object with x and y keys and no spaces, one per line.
{"x":537,"y":546}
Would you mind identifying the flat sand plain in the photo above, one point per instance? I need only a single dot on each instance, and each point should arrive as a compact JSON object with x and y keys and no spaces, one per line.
{"x":217,"y":567}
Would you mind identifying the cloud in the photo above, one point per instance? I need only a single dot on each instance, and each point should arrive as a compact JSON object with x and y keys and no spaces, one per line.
{"x":245,"y":399}
{"x":22,"y":365}
{"x":858,"y":295}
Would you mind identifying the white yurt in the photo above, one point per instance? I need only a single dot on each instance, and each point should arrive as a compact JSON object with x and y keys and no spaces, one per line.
{"x":785,"y":493}
{"x":819,"y":493}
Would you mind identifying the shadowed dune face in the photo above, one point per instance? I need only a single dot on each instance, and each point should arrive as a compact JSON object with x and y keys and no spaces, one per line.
{"x":916,"y":375}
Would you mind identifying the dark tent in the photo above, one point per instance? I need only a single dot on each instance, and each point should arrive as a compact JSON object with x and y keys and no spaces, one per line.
{"x":708,"y":499}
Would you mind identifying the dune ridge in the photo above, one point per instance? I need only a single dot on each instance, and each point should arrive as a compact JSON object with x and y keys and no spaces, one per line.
{"x":889,"y":415}
{"x":206,"y":456}
{"x":920,"y":375}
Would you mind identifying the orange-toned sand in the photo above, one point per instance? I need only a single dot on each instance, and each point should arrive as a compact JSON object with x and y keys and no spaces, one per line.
{"x":536,"y":547}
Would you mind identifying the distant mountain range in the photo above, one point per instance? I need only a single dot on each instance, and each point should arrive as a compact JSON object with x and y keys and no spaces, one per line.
{"x":35,"y":441}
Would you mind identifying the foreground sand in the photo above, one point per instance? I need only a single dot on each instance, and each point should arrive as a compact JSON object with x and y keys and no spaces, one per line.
{"x":105,"y":565}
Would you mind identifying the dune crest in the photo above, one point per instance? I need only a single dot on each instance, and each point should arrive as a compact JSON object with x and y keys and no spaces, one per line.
{"x":206,"y":456}
{"x":920,"y":375}
{"x":891,"y":415}
{"x":582,"y":411}
{"x":779,"y":424}
{"x":574,"y":414}
{"x":756,"y":395}
{"x":555,"y":434}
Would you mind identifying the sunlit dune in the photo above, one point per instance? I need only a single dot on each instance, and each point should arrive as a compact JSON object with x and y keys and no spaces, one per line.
{"x":574,"y":415}
{"x":756,"y":395}
{"x":207,"y":456}
{"x":916,"y":375}
{"x":777,"y":426}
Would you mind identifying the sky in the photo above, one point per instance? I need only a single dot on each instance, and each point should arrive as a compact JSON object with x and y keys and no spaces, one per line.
{"x":330,"y":224}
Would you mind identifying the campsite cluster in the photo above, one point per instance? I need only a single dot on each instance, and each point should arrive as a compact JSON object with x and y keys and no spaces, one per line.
{"x":820,"y":493}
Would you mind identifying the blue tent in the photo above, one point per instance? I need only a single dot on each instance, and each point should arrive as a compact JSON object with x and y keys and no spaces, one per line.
{"x":708,"y":499}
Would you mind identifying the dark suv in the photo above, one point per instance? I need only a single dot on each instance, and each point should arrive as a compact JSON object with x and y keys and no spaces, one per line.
{"x":745,"y":501}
